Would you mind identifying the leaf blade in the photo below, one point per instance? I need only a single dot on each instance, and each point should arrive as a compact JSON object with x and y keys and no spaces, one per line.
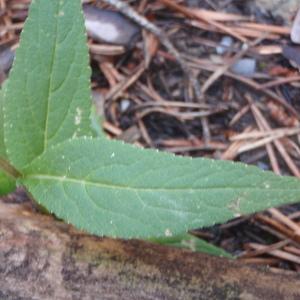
{"x":48,"y":94}
{"x":7,"y":184}
{"x":2,"y":144}
{"x":118,"y":190}
{"x":193,"y":243}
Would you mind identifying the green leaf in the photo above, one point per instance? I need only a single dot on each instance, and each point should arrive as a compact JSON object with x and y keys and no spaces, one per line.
{"x":110,"y":188}
{"x":7,"y":184}
{"x":48,"y":97}
{"x":193,"y":243}
{"x":96,"y":123}
{"x":2,"y":144}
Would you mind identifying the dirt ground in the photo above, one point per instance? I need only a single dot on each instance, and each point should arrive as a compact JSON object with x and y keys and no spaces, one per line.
{"x":228,"y":89}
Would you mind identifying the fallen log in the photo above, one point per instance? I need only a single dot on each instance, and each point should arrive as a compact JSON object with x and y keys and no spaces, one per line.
{"x":43,"y":258}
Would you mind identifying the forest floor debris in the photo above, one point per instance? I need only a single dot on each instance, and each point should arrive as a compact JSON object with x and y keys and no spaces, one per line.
{"x":245,"y":112}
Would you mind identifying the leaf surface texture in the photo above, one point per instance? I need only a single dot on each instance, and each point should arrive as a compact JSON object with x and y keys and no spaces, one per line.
{"x":110,"y":188}
{"x":48,"y":93}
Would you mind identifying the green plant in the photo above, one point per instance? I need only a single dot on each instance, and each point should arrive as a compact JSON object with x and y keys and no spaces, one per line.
{"x":102,"y":186}
{"x":193,"y":243}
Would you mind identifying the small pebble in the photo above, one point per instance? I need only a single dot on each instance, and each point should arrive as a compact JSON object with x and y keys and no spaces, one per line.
{"x":6,"y":59}
{"x":295,"y":32}
{"x":225,"y":45}
{"x":263,"y":166}
{"x":245,"y":67}
{"x":110,"y":27}
{"x":292,"y":53}
{"x":124,"y":105}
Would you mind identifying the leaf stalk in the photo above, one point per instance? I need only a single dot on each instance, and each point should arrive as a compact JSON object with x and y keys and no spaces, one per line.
{"x":9,"y":169}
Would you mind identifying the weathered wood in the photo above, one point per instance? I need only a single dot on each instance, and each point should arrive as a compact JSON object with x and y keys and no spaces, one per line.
{"x":41,"y":258}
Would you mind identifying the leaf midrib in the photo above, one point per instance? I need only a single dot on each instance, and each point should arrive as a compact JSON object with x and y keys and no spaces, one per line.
{"x":51,"y":81}
{"x":143,"y":189}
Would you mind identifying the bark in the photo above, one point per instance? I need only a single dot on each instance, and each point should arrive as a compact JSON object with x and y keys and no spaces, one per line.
{"x":42,"y":258}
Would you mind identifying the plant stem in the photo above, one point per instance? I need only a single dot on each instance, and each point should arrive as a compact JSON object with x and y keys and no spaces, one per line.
{"x":9,"y":169}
